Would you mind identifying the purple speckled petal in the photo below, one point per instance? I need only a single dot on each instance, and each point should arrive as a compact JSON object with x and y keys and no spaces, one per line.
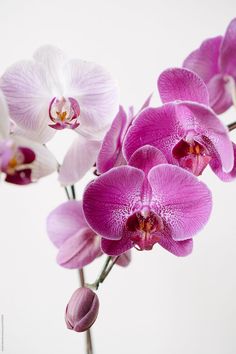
{"x":205,"y":60}
{"x":95,"y":90}
{"x":217,"y":168}
{"x":124,"y":259}
{"x":65,"y":221}
{"x":182,"y":84}
{"x":109,"y":200}
{"x":180,"y":200}
{"x":79,"y":159}
{"x":228,"y":50}
{"x":117,"y":247}
{"x":154,"y":126}
{"x":178,"y":248}
{"x":25,"y":86}
{"x":80,"y":249}
{"x":199,"y":119}
{"x":110,"y":154}
{"x":147,"y":157}
{"x":219,"y":91}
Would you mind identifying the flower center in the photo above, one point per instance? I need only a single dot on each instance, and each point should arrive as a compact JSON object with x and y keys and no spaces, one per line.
{"x":145,"y":226}
{"x":64,"y":113}
{"x":16,"y":162}
{"x":191,"y":155}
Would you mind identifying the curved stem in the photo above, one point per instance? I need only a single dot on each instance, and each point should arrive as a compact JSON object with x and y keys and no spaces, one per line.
{"x":232,"y":126}
{"x":104,"y":272}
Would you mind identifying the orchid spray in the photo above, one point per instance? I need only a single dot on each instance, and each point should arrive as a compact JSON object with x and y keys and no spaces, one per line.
{"x":145,"y":191}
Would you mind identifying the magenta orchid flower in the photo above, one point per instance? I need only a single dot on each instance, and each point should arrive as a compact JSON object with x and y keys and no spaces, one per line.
{"x":110,"y":154}
{"x":51,"y":93}
{"x":78,"y":245}
{"x":185,"y":129}
{"x":22,"y":161}
{"x":215,"y":62}
{"x":145,"y":203}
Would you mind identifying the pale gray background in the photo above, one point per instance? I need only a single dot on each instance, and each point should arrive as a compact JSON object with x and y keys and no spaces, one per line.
{"x":160,"y":304}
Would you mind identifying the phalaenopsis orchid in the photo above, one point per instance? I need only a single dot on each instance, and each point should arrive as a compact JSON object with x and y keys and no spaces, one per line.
{"x":145,"y":191}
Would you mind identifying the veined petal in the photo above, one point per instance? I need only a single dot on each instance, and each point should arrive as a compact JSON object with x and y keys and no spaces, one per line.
{"x":53,"y":59}
{"x":111,"y":147}
{"x":147,"y":157}
{"x":117,"y":247}
{"x":25,"y":87}
{"x":78,"y":160}
{"x":79,"y":250}
{"x":228,"y":50}
{"x":96,"y":92}
{"x":109,"y":200}
{"x":44,"y":163}
{"x":178,"y":248}
{"x":65,"y":221}
{"x":219,"y":91}
{"x":158,"y":127}
{"x":205,"y":60}
{"x":182,"y":84}
{"x":216,"y":166}
{"x":180,"y":200}
{"x":4,"y":118}
{"x":204,"y":122}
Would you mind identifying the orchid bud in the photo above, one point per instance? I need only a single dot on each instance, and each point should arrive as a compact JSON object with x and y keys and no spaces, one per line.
{"x":82,"y":310}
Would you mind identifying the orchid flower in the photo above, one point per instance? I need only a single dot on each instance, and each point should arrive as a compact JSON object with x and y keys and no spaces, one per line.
{"x":110,"y":154}
{"x":22,"y":161}
{"x":51,"y":93}
{"x":78,"y":245}
{"x":185,"y":128}
{"x":215,"y":62}
{"x":147,"y":202}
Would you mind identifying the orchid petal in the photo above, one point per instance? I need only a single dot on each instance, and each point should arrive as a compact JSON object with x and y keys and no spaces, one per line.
{"x":183,"y":202}
{"x":4,"y":118}
{"x":110,"y":199}
{"x":124,"y":259}
{"x":44,"y":163}
{"x":178,"y":248}
{"x":96,"y":92}
{"x":216,"y":166}
{"x":182,"y":84}
{"x":228,"y":50}
{"x":79,"y":159}
{"x":205,"y":60}
{"x":79,"y":250}
{"x":27,"y":93}
{"x":65,"y":221}
{"x":117,"y":247}
{"x":219,"y":92}
{"x":110,"y":153}
{"x":154,"y":126}
{"x":147,"y":157}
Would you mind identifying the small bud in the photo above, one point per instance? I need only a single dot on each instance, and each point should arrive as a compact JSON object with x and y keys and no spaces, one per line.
{"x":82,"y":310}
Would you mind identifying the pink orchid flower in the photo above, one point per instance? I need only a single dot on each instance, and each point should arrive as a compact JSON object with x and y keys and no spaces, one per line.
{"x":51,"y":93}
{"x":22,"y":161}
{"x":185,"y":128}
{"x":78,"y":245}
{"x":110,"y":154}
{"x":145,"y":203}
{"x":215,"y":62}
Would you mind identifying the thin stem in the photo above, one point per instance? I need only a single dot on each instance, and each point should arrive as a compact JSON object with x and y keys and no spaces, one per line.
{"x":89,"y":345}
{"x":232,"y":126}
{"x":104,"y":272}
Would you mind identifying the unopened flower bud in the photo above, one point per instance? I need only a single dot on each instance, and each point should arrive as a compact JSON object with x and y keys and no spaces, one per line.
{"x":82,"y":310}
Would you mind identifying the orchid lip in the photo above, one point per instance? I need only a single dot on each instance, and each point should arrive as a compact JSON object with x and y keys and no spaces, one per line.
{"x":64,"y":113}
{"x":145,"y":226}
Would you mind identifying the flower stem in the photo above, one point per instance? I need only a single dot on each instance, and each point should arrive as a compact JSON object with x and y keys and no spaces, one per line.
{"x":107,"y":267}
{"x":232,"y":126}
{"x":89,"y":345}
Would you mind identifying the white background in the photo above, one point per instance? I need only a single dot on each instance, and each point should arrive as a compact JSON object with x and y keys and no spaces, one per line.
{"x":160,"y":304}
